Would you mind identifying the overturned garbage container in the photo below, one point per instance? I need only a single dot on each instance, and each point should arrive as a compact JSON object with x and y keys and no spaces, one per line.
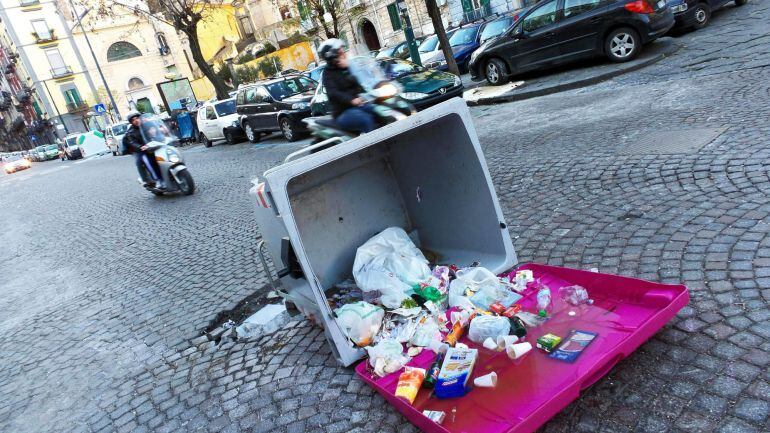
{"x":425,"y":174}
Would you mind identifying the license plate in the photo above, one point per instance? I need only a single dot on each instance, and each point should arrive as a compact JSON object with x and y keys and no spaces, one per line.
{"x":661,"y":4}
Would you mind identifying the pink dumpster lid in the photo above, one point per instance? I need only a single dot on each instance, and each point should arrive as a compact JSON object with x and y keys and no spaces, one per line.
{"x":531,"y":390}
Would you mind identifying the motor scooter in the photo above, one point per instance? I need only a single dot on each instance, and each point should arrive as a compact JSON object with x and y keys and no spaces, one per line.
{"x":173,"y":171}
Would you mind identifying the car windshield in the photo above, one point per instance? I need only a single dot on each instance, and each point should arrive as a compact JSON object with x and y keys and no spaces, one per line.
{"x":315,"y":74}
{"x":290,"y":87}
{"x":495,"y":28}
{"x":225,"y":108}
{"x":463,"y":36}
{"x":398,"y":68}
{"x":40,"y":149}
{"x":71,"y":141}
{"x":387,"y":52}
{"x":119,"y":129}
{"x":428,"y":45}
{"x":52,"y":147}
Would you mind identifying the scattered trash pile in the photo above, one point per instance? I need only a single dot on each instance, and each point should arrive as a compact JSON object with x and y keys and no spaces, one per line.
{"x":399,"y":307}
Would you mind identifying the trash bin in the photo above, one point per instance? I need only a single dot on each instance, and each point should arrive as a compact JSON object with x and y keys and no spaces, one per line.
{"x":425,"y":174}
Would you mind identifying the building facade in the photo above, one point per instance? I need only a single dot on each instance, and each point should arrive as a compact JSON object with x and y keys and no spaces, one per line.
{"x":23,"y":123}
{"x":134,"y":52}
{"x":46,"y":49}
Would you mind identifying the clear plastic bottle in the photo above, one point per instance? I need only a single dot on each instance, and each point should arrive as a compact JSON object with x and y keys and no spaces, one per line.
{"x":543,"y":300}
{"x":575,"y":295}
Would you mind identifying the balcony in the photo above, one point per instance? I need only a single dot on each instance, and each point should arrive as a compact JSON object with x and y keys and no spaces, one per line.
{"x":477,"y":14}
{"x":42,"y":39}
{"x":64,"y":71}
{"x":23,"y":96}
{"x":77,"y":107}
{"x":25,"y":3}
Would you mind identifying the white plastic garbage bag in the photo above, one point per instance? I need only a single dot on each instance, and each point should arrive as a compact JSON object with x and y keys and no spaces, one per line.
{"x":391,"y":264}
{"x":483,"y":327}
{"x":474,"y":279}
{"x":387,"y":357}
{"x":360,"y":321}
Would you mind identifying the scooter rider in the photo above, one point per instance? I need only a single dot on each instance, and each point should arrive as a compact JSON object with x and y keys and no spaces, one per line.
{"x":342,"y":89}
{"x":135,"y":143}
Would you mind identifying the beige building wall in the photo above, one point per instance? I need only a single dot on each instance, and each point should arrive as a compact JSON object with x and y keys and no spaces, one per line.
{"x":135,"y":53}
{"x":42,"y":38}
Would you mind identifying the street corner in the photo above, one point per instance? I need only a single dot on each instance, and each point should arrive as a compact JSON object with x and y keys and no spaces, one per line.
{"x":570,"y":77}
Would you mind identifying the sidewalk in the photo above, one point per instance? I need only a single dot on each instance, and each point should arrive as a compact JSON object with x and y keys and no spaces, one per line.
{"x":574,"y":76}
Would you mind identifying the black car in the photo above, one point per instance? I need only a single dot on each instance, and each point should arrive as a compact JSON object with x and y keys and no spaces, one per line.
{"x":561,"y":31}
{"x":275,"y":105}
{"x":697,"y":13}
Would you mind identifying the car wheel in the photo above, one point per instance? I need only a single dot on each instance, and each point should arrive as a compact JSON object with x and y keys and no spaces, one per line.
{"x":702,"y":16}
{"x":205,"y":141}
{"x":741,"y":2}
{"x":229,"y":137}
{"x":287,"y":130}
{"x":251,"y":134}
{"x":494,"y":72}
{"x":622,"y":44}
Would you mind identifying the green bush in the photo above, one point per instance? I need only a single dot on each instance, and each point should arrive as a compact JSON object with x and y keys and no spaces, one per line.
{"x":269,"y":66}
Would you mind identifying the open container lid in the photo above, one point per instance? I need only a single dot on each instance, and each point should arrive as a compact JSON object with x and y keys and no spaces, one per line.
{"x":425,"y":174}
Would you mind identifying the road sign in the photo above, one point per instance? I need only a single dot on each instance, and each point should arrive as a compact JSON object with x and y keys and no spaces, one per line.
{"x":100,"y":108}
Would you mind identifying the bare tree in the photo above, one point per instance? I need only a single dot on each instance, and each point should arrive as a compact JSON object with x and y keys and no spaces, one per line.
{"x":443,"y":40}
{"x":184,"y":16}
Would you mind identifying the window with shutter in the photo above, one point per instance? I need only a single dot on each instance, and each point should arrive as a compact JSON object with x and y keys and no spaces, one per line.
{"x":395,"y":18}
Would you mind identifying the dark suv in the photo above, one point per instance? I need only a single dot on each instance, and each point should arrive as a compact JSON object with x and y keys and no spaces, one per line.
{"x":277,"y":104}
{"x":560,"y":31}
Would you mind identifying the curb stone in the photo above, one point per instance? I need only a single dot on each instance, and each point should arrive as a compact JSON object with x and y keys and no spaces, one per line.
{"x":519,"y":96}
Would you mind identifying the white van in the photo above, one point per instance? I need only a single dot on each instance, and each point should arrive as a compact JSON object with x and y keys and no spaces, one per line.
{"x":85,"y":144}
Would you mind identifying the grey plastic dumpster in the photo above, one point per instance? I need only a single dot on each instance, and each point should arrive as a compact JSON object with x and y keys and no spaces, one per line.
{"x":426,"y":174}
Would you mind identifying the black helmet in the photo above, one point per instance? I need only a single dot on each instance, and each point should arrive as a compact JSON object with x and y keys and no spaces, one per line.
{"x":131,"y":115}
{"x":330,"y":50}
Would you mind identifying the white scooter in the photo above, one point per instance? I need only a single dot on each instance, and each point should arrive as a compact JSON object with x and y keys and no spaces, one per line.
{"x":173,"y":171}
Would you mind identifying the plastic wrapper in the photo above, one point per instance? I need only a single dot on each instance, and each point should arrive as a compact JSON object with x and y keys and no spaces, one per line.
{"x":409,"y":383}
{"x":387,"y":357}
{"x":391,"y":264}
{"x":360,"y":321}
{"x":575,"y":295}
{"x":483,"y":327}
{"x":427,"y":331}
{"x":489,"y":295}
{"x":440,"y":278}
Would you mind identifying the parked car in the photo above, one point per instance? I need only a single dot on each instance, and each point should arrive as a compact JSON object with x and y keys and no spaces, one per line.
{"x":49,"y":152}
{"x":421,"y":87}
{"x":16,"y":163}
{"x":314,"y":73}
{"x":398,"y":51}
{"x":560,"y":31}
{"x":464,"y":41}
{"x":217,"y":120}
{"x":430,"y":46}
{"x":696,"y":14}
{"x":33,"y":155}
{"x":275,"y":105}
{"x":114,"y":135}
{"x":71,"y":148}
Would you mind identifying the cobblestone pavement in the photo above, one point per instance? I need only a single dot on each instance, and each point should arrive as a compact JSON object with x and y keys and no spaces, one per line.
{"x":105,"y":289}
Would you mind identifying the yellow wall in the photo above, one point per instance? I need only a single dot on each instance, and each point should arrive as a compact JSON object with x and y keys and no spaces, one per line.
{"x":218,"y":24}
{"x":203,"y":89}
{"x":297,"y":56}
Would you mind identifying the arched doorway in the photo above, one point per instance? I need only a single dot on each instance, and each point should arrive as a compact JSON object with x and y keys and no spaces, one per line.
{"x":369,"y":34}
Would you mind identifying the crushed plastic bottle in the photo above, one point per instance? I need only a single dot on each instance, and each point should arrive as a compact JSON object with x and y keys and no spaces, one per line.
{"x":543,"y":300}
{"x":575,"y":295}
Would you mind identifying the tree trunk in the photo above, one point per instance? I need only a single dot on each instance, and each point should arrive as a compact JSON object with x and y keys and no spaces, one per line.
{"x":438,"y":27}
{"x":208,"y":71}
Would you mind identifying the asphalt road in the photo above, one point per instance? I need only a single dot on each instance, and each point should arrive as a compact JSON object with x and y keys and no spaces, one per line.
{"x":660,"y":174}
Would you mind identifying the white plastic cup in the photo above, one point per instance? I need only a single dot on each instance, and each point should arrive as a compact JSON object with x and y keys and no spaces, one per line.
{"x":504,"y":341}
{"x":516,"y":351}
{"x":490,"y":344}
{"x":486,"y":381}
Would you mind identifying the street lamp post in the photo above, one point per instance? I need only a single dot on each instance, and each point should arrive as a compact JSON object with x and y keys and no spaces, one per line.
{"x":408,"y":32}
{"x":96,"y":61}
